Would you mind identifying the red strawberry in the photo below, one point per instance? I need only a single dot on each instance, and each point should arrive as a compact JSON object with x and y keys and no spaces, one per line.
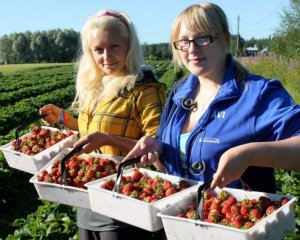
{"x":222,"y":195}
{"x":283,"y":201}
{"x":192,"y":206}
{"x":254,"y":215}
{"x":183,"y":184}
{"x":170,"y":191}
{"x":167,"y":184}
{"x":137,"y":175}
{"x":190,"y":214}
{"x":182,"y":215}
{"x":215,"y":205}
{"x":249,"y":225}
{"x":235,"y":209}
{"x":213,"y":216}
{"x":265,"y":202}
{"x":270,"y":209}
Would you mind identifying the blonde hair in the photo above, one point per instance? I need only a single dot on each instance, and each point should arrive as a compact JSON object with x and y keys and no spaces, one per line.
{"x":91,"y":83}
{"x":204,"y":18}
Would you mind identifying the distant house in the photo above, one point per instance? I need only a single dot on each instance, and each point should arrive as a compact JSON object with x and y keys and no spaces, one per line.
{"x":252,"y":51}
{"x":264,"y":51}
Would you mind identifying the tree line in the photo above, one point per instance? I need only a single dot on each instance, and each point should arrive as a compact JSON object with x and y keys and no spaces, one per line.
{"x":42,"y":46}
{"x":63,"y":46}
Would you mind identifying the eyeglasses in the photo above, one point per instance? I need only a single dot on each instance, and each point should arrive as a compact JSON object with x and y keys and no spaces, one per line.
{"x":199,"y":42}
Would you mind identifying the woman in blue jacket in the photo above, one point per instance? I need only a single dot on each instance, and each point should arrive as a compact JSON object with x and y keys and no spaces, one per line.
{"x":221,"y":121}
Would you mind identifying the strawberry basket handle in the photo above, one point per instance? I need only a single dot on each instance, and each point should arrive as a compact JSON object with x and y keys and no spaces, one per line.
{"x":200,"y":196}
{"x":200,"y":199}
{"x":121,"y":167}
{"x":63,"y":179}
{"x":23,"y":126}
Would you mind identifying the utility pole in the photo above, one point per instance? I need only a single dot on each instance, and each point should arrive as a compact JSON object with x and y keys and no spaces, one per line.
{"x":238,"y":36}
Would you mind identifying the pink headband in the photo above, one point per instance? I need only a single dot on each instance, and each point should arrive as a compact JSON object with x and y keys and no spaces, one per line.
{"x":116,"y":15}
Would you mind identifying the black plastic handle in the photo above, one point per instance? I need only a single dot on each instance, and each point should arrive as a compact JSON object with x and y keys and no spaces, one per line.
{"x":121,"y":167}
{"x":63,"y":179}
{"x":200,"y":196}
{"x":200,"y":199}
{"x":23,"y":126}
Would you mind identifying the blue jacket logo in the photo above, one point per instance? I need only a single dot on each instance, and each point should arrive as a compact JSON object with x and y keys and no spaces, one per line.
{"x":218,"y":114}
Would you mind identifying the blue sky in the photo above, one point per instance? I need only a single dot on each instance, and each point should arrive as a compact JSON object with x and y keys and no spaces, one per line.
{"x":152,"y":18}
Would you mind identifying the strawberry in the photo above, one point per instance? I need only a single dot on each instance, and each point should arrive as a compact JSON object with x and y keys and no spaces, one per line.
{"x":167,"y":184}
{"x":245,"y":208}
{"x":170,"y":191}
{"x":265,"y":202}
{"x":192,"y":206}
{"x":181,"y":215}
{"x":183,"y":184}
{"x":108,"y":185}
{"x":215,"y":205}
{"x":230,"y":201}
{"x":225,"y":221}
{"x":213,"y":216}
{"x":237,"y":224}
{"x":248,"y":225}
{"x":41,"y":176}
{"x":148,"y":199}
{"x":207,"y":195}
{"x":283,"y":201}
{"x":254,"y":215}
{"x":137,"y":175}
{"x":222,"y":195}
{"x":226,"y":209}
{"x":190,"y":214}
{"x":270,"y":209}
{"x":142,"y":195}
{"x":235,"y":209}
{"x":90,"y":173}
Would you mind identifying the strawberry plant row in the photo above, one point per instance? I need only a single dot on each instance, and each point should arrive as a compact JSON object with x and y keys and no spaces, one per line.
{"x":8,"y":98}
{"x":14,"y":115}
{"x":27,"y":81}
{"x":35,"y":77}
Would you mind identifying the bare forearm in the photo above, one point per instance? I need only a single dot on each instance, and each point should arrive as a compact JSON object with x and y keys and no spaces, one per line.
{"x":283,"y":154}
{"x":72,"y":124}
{"x":124,"y":144}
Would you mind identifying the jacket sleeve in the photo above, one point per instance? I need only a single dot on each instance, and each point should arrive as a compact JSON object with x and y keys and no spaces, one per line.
{"x":278,"y":116}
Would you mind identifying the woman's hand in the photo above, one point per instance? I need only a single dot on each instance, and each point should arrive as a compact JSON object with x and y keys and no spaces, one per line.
{"x":148,"y":149}
{"x":53,"y":114}
{"x":282,"y":154}
{"x":91,"y":142}
{"x":232,"y":165}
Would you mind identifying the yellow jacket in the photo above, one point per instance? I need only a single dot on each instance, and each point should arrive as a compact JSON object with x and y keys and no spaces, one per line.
{"x":134,"y":114}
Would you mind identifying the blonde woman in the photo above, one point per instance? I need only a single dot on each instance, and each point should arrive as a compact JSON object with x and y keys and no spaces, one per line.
{"x":118,"y":102}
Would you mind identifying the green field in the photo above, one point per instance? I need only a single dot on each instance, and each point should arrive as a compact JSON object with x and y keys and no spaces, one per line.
{"x":17,"y":68}
{"x":25,"y":88}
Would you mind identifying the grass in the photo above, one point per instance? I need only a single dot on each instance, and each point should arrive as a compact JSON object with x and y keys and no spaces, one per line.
{"x":285,"y":70}
{"x":16,"y":68}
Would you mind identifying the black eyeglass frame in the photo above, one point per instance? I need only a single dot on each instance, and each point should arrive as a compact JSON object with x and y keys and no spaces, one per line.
{"x":211,"y":39}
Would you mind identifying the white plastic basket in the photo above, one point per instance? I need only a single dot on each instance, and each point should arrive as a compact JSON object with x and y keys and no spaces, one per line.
{"x":130,"y":210}
{"x":273,"y":227}
{"x":64,"y":194}
{"x":33,"y":164}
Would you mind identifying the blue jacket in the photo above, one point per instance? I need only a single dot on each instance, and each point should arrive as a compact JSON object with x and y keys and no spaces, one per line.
{"x":255,"y":110}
